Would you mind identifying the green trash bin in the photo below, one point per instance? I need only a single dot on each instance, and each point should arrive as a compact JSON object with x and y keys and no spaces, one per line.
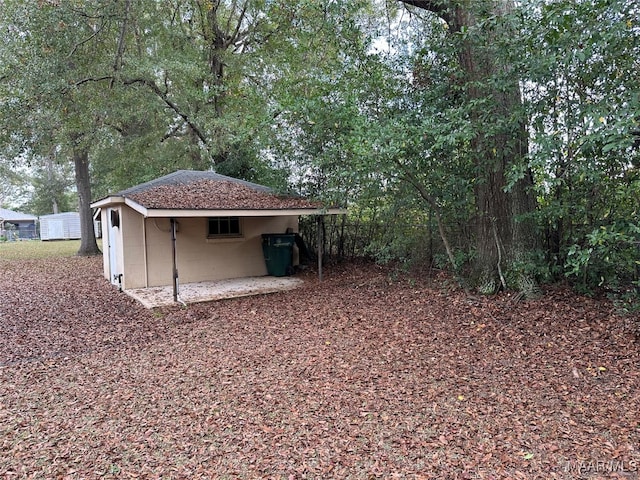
{"x":278,"y":253}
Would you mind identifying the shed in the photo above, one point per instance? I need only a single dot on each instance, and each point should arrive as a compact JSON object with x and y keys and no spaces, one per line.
{"x":60,"y":226}
{"x":194,"y":226}
{"x":17,"y":226}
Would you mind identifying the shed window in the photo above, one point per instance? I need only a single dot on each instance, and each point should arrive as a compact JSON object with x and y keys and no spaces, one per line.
{"x":115,"y":218}
{"x":224,"y":227}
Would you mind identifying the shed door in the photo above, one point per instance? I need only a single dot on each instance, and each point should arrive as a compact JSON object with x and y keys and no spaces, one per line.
{"x":56,"y":229}
{"x":113,"y":217}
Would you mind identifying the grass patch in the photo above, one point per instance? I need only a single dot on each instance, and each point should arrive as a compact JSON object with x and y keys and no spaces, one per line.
{"x":33,"y":249}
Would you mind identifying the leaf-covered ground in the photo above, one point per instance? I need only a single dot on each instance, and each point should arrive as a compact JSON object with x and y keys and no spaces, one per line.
{"x":362,"y":376}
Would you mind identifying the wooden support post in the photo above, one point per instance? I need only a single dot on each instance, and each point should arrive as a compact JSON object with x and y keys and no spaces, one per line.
{"x":320,"y":242}
{"x":175,"y":261}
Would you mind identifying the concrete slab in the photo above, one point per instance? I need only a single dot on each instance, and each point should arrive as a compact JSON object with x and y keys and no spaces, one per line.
{"x":152,"y":297}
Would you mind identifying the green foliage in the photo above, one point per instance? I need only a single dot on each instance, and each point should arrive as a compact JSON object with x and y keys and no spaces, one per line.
{"x":10,"y":183}
{"x":462,"y":257}
{"x":610,"y":258}
{"x":627,"y":301}
{"x":527,"y":272}
{"x":583,"y":102}
{"x":146,"y":88}
{"x":404,"y":236}
{"x":50,"y":189}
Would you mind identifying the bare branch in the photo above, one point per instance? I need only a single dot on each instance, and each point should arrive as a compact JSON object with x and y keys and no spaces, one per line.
{"x":117,"y":65}
{"x":231,"y":10}
{"x":88,"y":39}
{"x":409,"y":177}
{"x":165,"y":98}
{"x":94,"y":80}
{"x":171,"y":133}
{"x":441,"y":8}
{"x":236,"y":34}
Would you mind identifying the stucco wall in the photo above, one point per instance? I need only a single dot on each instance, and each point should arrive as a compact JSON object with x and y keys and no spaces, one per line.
{"x":133,"y":252}
{"x":198,"y":257}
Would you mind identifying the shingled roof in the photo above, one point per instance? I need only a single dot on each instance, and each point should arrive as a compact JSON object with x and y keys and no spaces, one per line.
{"x":185,"y":177}
{"x":205,"y":190}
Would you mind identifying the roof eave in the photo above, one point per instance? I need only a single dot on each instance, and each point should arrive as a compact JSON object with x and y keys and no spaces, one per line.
{"x":213,"y":212}
{"x":274,"y":212}
{"x":108,"y":201}
{"x":119,"y":200}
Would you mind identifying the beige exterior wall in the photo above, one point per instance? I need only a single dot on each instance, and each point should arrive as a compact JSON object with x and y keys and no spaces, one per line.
{"x":133,"y":251}
{"x":198,"y":257}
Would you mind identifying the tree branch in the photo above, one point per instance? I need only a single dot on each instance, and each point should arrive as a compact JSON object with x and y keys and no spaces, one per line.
{"x":163,"y":95}
{"x":236,"y":34}
{"x":439,"y":7}
{"x":117,"y":64}
{"x":171,"y":133}
{"x":88,"y":39}
{"x":412,"y":180}
{"x":165,"y":98}
{"x":94,"y":79}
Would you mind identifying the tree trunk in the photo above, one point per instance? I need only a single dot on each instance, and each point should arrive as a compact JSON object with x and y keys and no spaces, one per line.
{"x":505,"y":234}
{"x":88,"y":244}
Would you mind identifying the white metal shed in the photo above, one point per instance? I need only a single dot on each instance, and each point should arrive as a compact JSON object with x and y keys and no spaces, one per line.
{"x":60,"y":226}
